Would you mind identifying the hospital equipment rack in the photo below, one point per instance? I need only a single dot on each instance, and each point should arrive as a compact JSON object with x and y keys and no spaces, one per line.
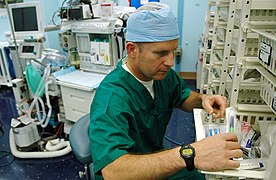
{"x":253,"y":14}
{"x":216,"y":45}
{"x":234,"y":48}
{"x":254,"y":118}
{"x":205,"y":50}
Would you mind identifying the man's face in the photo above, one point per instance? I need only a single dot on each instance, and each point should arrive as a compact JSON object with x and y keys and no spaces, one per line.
{"x":153,"y":60}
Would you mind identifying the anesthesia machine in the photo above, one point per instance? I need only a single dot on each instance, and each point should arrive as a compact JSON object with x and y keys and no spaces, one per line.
{"x":92,"y":38}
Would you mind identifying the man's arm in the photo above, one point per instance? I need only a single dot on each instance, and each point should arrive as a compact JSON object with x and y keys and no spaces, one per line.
{"x":213,"y":104}
{"x":212,"y":153}
{"x":147,"y":166}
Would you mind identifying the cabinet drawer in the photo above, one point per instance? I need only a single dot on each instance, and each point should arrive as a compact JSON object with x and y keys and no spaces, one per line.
{"x":74,"y":114}
{"x":77,"y":102}
{"x":77,"y":92}
{"x":77,"y":98}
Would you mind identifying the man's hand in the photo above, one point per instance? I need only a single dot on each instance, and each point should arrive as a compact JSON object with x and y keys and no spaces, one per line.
{"x":214,"y":105}
{"x":216,"y":152}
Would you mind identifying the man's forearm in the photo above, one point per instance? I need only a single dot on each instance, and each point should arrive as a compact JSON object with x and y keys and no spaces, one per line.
{"x":158,"y":165}
{"x":193,"y":101}
{"x":211,"y":154}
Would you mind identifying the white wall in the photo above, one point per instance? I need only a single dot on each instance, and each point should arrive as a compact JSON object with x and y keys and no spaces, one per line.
{"x":4,"y":24}
{"x":49,"y":8}
{"x":193,"y":26}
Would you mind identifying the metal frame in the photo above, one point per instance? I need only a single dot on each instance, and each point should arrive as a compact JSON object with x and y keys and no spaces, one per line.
{"x":206,"y":52}
{"x":5,"y":76}
{"x":227,"y":46}
{"x":215,"y":45}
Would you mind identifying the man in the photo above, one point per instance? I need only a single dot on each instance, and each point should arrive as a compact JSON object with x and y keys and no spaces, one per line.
{"x":133,"y":105}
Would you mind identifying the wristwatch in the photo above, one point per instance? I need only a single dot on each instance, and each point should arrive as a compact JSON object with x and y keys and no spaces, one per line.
{"x":187,"y":152}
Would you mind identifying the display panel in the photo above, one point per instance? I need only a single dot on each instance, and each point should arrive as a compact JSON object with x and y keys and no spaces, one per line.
{"x":27,"y":19}
{"x":28,"y":49}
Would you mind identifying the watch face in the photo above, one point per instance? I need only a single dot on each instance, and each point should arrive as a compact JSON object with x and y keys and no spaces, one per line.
{"x":187,"y":152}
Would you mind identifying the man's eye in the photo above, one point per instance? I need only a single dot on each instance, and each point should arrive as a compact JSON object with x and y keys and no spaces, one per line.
{"x":163,"y":53}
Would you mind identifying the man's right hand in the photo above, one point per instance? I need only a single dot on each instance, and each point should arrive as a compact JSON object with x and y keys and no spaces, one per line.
{"x":216,"y":152}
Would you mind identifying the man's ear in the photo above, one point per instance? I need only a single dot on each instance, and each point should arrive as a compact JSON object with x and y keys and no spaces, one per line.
{"x":132,"y":49}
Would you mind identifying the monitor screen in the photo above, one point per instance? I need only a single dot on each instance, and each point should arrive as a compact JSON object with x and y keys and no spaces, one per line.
{"x":25,"y":19}
{"x":28,"y":49}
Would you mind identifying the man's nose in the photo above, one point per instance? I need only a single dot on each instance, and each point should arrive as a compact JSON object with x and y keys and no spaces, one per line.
{"x":170,"y":60}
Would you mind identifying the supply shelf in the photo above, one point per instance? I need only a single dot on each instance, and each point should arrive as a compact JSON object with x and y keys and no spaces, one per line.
{"x":268,"y":57}
{"x":233,"y":41}
{"x":250,"y":15}
{"x":266,"y":67}
{"x":268,"y":87}
{"x":239,"y":27}
{"x":218,"y":41}
{"x":206,"y":43}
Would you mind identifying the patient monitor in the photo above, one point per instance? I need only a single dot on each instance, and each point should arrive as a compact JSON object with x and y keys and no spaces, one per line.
{"x":27,"y":20}
{"x":31,"y":50}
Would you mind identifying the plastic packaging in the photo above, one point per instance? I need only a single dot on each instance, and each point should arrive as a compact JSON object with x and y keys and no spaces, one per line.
{"x":231,"y":119}
{"x":213,"y":129}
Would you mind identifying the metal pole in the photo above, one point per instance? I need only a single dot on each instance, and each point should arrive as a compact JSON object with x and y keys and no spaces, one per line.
{"x":14,"y":40}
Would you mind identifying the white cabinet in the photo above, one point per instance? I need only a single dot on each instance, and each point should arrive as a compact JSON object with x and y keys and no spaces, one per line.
{"x":76,"y":101}
{"x":77,"y":90}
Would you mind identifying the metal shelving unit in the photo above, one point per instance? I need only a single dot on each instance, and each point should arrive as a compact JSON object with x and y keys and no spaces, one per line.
{"x":252,"y":14}
{"x":218,"y":44}
{"x":207,"y":40}
{"x":234,"y":50}
{"x":244,"y":32}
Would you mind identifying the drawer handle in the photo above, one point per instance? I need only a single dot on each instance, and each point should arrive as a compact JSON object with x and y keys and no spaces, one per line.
{"x":79,"y":112}
{"x":77,"y":97}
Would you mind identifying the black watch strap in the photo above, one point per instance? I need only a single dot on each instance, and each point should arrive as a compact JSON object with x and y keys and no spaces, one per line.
{"x":187,"y":152}
{"x":190,"y":164}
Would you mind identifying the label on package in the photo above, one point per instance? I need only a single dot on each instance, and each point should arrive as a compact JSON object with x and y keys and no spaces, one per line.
{"x":265,"y":53}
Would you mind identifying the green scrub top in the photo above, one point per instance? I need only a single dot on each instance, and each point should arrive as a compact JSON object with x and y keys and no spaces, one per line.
{"x":126,"y":119}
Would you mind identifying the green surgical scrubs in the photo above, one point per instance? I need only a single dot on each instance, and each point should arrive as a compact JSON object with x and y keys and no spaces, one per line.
{"x":126,"y":119}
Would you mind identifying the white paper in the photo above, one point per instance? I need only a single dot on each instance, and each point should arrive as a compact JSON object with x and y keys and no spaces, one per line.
{"x":86,"y":79}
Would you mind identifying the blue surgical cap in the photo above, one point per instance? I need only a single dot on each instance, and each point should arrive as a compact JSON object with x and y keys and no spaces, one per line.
{"x":152,"y":26}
